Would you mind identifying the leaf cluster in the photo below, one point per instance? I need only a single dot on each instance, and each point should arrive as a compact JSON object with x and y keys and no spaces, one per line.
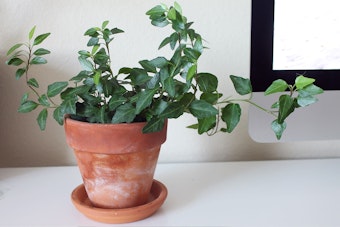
{"x":155,"y":90}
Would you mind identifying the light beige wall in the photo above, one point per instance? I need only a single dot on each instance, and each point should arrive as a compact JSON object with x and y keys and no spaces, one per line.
{"x":225,"y":25}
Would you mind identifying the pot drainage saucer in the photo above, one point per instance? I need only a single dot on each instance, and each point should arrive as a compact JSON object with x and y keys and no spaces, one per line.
{"x":158,"y":194}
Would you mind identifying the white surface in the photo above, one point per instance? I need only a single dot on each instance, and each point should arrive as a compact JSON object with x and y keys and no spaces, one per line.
{"x":264,"y":193}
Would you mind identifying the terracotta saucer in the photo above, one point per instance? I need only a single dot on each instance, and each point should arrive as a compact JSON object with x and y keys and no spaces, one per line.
{"x":158,"y":194}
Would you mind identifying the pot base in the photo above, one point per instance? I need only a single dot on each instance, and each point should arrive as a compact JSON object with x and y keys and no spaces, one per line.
{"x":158,"y":194}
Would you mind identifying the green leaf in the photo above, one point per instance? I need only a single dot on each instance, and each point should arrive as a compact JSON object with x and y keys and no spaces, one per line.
{"x":178,"y":7}
{"x":278,"y":85}
{"x":231,"y":114}
{"x":42,"y":117}
{"x":169,"y":85}
{"x":159,"y":62}
{"x":202,"y":109}
{"x":286,"y":107}
{"x":310,"y":90}
{"x":192,"y":54}
{"x":160,"y":22}
{"x":104,"y":24}
{"x":138,"y":76}
{"x":24,"y":98}
{"x":241,"y":85}
{"x":31,"y":33}
{"x":19,"y":73}
{"x":211,"y":98}
{"x":306,"y":100}
{"x":154,"y":125}
{"x":58,"y":115}
{"x":13,"y":48}
{"x":205,"y":124}
{"x":68,"y":106}
{"x":164,"y":42}
{"x":191,"y":72}
{"x":93,"y":32}
{"x":172,"y":14}
{"x":41,"y":51}
{"x":207,"y":82}
{"x":148,"y":66}
{"x":144,"y":100}
{"x":55,"y":88}
{"x":115,"y":101}
{"x":173,"y":110}
{"x":40,"y":38}
{"x":38,"y":61}
{"x":86,"y":64}
{"x":96,"y":77}
{"x":14,"y":61}
{"x":278,"y":128}
{"x":193,"y":126}
{"x":302,"y":82}
{"x":27,"y":106}
{"x":116,"y":31}
{"x":157,"y":10}
{"x":124,"y":113}
{"x":33,"y":82}
{"x":43,"y":100}
{"x":93,"y":41}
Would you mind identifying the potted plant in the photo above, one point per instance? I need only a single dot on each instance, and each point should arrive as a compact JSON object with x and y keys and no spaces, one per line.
{"x":116,"y":121}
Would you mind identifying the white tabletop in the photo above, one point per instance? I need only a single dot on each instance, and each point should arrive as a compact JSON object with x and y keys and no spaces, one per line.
{"x":263,"y":193}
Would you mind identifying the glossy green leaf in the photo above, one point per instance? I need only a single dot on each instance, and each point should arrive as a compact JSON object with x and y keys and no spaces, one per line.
{"x":58,"y":115}
{"x":169,"y":85}
{"x":310,"y":90}
{"x":173,"y":110}
{"x":19,"y":73}
{"x":207,"y":82}
{"x":172,"y":14}
{"x":38,"y":61}
{"x":278,"y":128}
{"x":27,"y":106}
{"x":93,"y":32}
{"x":33,"y":82}
{"x":86,"y":64}
{"x":165,"y":42}
{"x":24,"y":98}
{"x":144,"y":100}
{"x":115,"y":101}
{"x":93,"y":41}
{"x":40,"y":38}
{"x":202,"y":109}
{"x":306,"y":100}
{"x":206,"y":124}
{"x":157,"y":10}
{"x":31,"y":33}
{"x":241,"y":85}
{"x":14,"y":61}
{"x":302,"y":81}
{"x":56,"y":88}
{"x":116,"y":31}
{"x":231,"y":115}
{"x":148,"y":66}
{"x":43,"y":100}
{"x":278,"y":85}
{"x":154,"y":125}
{"x":13,"y":48}
{"x":104,"y":24}
{"x":286,"y":107}
{"x":124,"y":113}
{"x":41,"y":119}
{"x":138,"y":76}
{"x":41,"y":51}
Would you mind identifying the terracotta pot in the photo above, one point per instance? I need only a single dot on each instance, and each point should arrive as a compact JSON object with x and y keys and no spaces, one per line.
{"x":116,"y":161}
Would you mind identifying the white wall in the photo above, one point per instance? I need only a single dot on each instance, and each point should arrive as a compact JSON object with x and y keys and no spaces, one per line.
{"x":225,"y":24}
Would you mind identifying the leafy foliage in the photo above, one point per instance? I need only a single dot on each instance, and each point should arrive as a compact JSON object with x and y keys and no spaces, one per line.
{"x":155,"y":90}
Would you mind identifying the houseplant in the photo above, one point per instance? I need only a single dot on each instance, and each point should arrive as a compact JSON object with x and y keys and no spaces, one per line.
{"x":158,"y":89}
